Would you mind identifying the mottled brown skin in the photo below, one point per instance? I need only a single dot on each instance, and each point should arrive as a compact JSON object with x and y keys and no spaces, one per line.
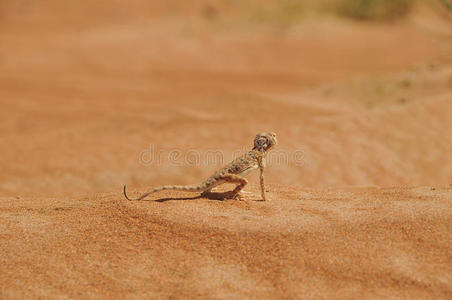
{"x":233,"y":172}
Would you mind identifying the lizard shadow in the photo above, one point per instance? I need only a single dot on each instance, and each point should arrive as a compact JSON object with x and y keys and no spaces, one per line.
{"x":210,"y":196}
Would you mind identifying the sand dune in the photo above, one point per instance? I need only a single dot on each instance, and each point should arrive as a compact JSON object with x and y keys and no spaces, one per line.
{"x":333,"y":243}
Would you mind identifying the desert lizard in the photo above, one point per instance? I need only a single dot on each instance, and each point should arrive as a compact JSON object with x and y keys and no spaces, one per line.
{"x":233,"y":172}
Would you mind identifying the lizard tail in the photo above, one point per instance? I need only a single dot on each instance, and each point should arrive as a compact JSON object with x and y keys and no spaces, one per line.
{"x":125,"y":194}
{"x":187,"y":188}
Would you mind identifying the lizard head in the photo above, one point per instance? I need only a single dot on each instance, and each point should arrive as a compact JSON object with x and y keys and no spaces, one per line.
{"x":265,"y":141}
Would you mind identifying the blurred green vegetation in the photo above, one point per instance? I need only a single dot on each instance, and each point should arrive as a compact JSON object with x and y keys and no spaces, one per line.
{"x":288,"y":12}
{"x":447,"y":4}
{"x":373,"y":9}
{"x":283,"y":14}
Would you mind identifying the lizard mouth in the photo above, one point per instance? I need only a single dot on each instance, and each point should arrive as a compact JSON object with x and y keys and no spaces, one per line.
{"x":273,"y":139}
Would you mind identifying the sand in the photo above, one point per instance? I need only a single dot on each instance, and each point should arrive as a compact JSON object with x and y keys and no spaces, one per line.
{"x":95,"y":96}
{"x":334,"y":243}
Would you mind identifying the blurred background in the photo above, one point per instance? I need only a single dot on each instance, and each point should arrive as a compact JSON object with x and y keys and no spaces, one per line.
{"x":363,"y":88}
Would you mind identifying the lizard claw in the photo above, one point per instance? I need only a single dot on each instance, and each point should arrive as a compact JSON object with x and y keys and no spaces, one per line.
{"x":237,"y":196}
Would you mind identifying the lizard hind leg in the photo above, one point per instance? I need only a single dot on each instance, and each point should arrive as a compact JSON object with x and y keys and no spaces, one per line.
{"x":240,"y":181}
{"x":208,"y":185}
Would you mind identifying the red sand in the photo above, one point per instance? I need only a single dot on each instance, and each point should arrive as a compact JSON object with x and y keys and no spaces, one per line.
{"x":365,"y":211}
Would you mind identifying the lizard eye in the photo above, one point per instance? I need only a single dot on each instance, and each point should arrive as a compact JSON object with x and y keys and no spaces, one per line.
{"x":261,"y":142}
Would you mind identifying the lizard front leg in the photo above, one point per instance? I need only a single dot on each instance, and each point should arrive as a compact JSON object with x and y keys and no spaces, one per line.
{"x":261,"y":161}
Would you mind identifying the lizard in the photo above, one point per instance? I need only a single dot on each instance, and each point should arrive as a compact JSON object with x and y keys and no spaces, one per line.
{"x":233,"y":172}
